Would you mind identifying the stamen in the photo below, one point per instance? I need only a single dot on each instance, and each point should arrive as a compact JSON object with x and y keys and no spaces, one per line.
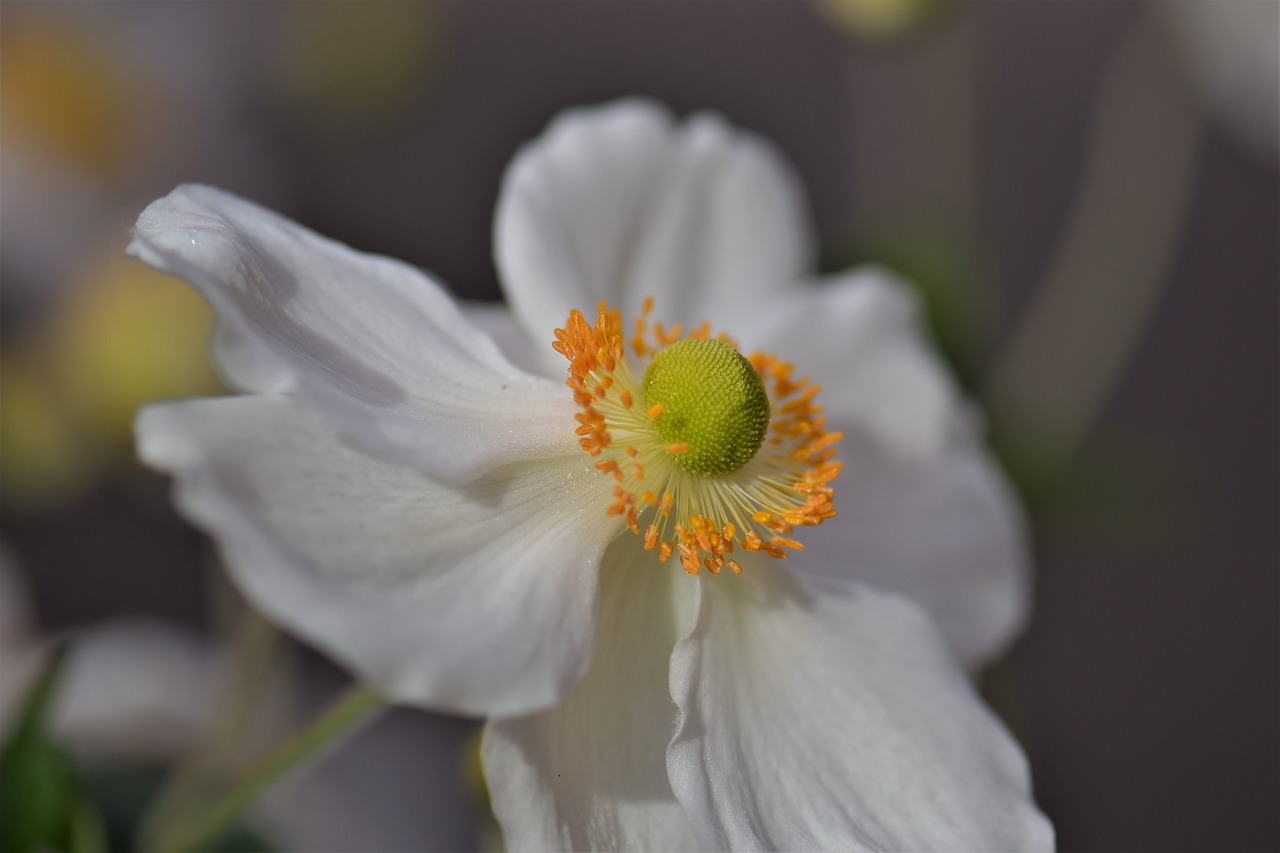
{"x":782,"y":486}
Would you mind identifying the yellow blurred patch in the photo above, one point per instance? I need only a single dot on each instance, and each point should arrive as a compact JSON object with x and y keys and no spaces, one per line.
{"x":127,"y":334}
{"x":345,"y":62}
{"x":122,"y":336}
{"x":876,"y":19}
{"x":41,"y":463}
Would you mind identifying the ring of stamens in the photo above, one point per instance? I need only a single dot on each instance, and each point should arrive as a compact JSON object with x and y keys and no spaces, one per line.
{"x":700,"y":518}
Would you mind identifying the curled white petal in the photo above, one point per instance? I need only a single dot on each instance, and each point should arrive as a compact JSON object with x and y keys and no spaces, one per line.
{"x":620,"y":202}
{"x":476,"y":599}
{"x":816,"y":718}
{"x":374,"y":344}
{"x":591,"y":774}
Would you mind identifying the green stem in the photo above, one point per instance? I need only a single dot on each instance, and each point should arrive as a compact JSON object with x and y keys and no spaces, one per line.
{"x":354,"y":708}
{"x":254,"y":657}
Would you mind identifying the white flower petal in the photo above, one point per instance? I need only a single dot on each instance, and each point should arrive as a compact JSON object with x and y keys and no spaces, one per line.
{"x":477,"y":599}
{"x":591,"y":774}
{"x":946,"y":531}
{"x":923,"y":510}
{"x":619,"y":203}
{"x":372,"y":342}
{"x":859,"y":336}
{"x":813,"y":718}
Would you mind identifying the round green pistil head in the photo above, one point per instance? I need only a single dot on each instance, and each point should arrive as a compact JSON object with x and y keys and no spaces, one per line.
{"x":712,"y":401}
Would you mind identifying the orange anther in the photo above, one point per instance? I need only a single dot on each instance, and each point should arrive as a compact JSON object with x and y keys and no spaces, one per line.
{"x":708,"y":521}
{"x":688,"y":559}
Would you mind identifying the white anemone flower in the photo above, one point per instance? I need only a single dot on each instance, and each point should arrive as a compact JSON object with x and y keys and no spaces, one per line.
{"x":408,"y":483}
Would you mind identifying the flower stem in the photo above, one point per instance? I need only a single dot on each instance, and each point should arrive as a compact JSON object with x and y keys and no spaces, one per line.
{"x":345,"y":716}
{"x":254,"y":658}
{"x":1062,"y":362}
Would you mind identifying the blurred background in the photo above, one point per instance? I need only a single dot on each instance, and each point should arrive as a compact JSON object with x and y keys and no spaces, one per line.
{"x":1085,"y":193}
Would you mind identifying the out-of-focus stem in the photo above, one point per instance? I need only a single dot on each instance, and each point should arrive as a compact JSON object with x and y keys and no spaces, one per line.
{"x":252,"y":659}
{"x":1046,"y":388}
{"x":345,"y":716}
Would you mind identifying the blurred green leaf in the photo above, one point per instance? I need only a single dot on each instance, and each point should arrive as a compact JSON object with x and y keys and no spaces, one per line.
{"x":42,"y":803}
{"x":241,"y":839}
{"x":123,"y":793}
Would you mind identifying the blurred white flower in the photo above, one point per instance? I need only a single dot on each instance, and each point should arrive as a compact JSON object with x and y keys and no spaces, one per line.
{"x":142,"y":691}
{"x":132,"y":687}
{"x":404,"y":484}
{"x":1232,"y":55}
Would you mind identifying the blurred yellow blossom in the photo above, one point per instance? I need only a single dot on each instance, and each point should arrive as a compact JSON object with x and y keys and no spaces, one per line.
{"x":120,"y":335}
{"x":876,"y":19}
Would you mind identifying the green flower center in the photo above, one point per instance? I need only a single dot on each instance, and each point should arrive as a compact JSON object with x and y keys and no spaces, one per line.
{"x":714,"y":407}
